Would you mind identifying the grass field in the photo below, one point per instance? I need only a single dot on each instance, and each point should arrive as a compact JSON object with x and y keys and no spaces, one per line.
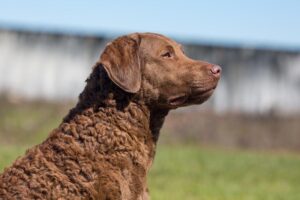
{"x":181,"y":171}
{"x":190,"y":172}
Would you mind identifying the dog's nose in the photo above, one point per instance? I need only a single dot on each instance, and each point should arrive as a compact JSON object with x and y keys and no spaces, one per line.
{"x":216,"y":70}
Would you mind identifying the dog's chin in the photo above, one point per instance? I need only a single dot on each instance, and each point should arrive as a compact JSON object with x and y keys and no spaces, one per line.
{"x":197,"y":96}
{"x":200,"y":96}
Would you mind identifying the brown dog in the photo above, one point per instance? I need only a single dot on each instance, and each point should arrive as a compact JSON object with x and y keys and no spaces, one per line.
{"x":105,"y":146}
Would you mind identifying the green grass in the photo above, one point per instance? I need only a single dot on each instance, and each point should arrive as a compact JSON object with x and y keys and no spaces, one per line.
{"x":8,"y":154}
{"x":189,"y":172}
{"x":28,"y":123}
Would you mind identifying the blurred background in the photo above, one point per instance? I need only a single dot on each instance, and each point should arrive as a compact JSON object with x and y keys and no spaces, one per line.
{"x":243,"y":143}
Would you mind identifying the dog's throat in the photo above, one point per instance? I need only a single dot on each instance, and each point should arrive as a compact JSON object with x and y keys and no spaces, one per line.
{"x":157,"y":118}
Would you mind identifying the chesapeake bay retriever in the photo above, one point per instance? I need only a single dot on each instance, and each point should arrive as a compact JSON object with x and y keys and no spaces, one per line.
{"x":105,"y":146}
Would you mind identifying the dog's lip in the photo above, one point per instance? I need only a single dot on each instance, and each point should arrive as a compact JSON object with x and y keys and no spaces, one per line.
{"x":178,"y":99}
{"x":207,"y":92}
{"x":201,"y":91}
{"x":200,"y":95}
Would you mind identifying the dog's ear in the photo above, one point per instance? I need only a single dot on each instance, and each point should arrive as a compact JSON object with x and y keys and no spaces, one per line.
{"x":120,"y":59}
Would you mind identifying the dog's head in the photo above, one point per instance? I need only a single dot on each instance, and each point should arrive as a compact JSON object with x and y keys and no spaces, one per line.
{"x":156,"y":68}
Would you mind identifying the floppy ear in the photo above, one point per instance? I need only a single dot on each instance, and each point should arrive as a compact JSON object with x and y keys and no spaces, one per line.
{"x":121,"y":61}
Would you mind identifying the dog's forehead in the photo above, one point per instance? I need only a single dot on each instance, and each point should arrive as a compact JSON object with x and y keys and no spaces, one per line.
{"x":154,"y":38}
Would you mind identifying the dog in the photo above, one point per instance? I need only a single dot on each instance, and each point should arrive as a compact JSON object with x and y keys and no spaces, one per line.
{"x":105,"y":146}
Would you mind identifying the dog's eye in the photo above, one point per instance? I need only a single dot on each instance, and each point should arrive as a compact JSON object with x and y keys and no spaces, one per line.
{"x":166,"y":55}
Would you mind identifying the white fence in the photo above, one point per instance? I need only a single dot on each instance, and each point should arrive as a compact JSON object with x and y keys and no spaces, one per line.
{"x":55,"y":66}
{"x":52,"y":67}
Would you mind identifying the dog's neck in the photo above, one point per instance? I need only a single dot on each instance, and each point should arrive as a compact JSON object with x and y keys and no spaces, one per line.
{"x":122,"y":134}
{"x":103,"y":96}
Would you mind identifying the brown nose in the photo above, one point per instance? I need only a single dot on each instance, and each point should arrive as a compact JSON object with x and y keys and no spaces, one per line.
{"x":216,"y":70}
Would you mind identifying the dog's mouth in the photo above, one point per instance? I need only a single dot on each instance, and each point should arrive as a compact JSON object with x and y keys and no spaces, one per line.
{"x":178,"y":100}
{"x":200,"y":95}
{"x":195,"y":96}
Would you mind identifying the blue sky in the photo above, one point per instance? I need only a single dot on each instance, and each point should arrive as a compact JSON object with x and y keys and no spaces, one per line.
{"x":247,"y":22}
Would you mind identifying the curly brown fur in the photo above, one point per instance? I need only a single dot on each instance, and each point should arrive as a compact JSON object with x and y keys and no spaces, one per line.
{"x":105,"y":146}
